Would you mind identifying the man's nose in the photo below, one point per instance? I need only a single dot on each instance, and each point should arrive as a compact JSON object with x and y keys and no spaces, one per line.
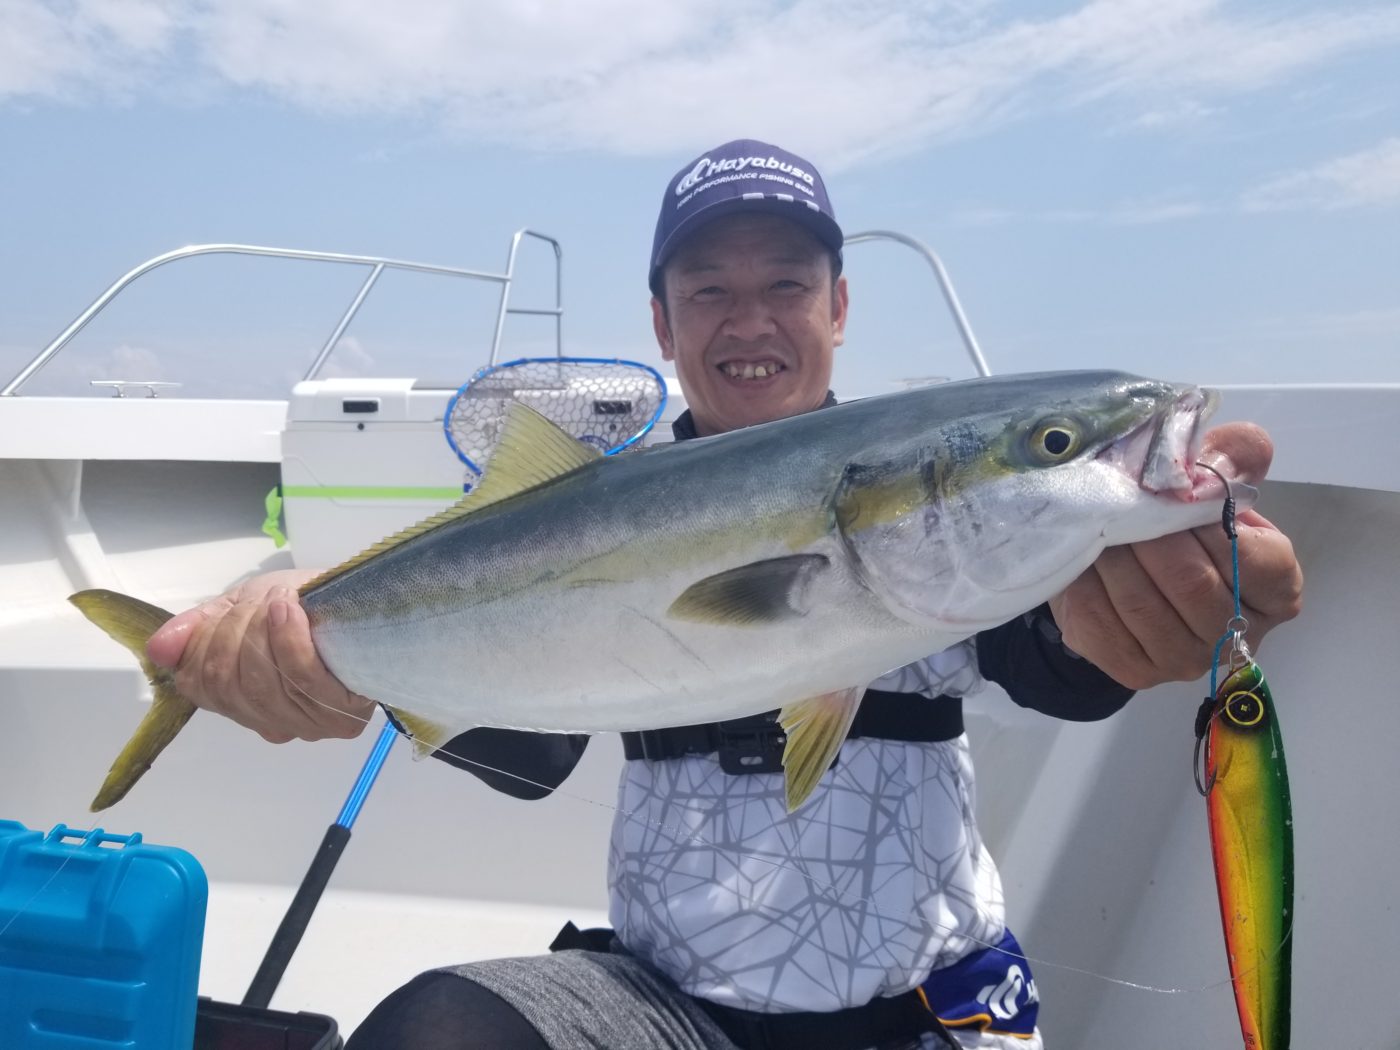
{"x":751,"y":318}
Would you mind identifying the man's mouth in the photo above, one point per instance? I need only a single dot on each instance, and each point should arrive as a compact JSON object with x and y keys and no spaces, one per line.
{"x":750,"y":369}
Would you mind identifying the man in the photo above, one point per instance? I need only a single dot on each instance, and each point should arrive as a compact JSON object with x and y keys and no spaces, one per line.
{"x":832,"y":927}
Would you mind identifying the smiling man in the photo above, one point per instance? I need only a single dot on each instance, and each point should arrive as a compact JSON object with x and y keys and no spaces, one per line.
{"x":758,"y":306}
{"x":873,"y":917}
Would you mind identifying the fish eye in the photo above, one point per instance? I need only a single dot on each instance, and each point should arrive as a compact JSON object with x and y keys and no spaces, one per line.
{"x":1054,"y":441}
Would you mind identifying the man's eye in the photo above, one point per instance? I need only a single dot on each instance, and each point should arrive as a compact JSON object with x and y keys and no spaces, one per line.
{"x":710,"y":292}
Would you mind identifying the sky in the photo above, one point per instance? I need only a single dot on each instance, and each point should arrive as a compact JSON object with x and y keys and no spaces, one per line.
{"x":1198,"y":190}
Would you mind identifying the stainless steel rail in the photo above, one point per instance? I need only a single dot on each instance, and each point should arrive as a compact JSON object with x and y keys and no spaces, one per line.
{"x":557,"y":312}
{"x":959,"y":318}
{"x":377,"y":266}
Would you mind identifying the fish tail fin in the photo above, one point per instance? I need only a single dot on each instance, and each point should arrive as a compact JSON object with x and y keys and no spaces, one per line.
{"x":132,"y":622}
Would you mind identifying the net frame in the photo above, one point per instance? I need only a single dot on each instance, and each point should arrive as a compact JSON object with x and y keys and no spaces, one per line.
{"x":473,"y":416}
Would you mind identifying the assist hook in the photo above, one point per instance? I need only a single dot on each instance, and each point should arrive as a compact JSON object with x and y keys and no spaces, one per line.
{"x":1234,"y":630}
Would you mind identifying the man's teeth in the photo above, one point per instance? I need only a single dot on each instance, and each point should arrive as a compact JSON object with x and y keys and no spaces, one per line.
{"x":751,"y":371}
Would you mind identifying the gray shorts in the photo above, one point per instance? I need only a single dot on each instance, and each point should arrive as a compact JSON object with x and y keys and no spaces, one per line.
{"x":585,"y":1000}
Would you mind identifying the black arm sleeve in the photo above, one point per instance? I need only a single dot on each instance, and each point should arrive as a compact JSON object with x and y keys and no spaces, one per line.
{"x":1026,"y":657}
{"x":523,"y":765}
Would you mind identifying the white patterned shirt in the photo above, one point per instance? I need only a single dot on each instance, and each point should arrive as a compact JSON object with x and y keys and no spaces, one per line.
{"x":879,"y":878}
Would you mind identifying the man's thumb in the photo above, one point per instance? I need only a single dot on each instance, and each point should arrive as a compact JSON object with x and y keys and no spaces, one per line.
{"x":167,"y":645}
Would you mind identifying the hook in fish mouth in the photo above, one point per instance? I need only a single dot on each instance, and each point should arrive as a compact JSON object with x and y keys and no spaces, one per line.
{"x":1167,"y":448}
{"x":1175,"y":443}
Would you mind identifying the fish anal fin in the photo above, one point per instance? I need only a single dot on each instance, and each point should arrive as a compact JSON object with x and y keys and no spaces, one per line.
{"x":761,"y":592}
{"x":816,"y":728}
{"x":532,"y":451}
{"x":427,"y":735}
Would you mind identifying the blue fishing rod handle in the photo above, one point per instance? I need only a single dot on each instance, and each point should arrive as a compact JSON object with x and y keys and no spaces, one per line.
{"x":368,"y":773}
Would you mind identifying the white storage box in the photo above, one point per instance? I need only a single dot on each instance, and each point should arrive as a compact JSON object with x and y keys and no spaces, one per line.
{"x":361,"y":459}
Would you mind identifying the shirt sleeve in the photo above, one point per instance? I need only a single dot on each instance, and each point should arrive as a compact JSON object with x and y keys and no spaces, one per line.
{"x":1028,"y":659}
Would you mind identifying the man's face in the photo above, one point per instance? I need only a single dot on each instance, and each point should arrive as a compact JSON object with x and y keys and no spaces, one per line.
{"x":754,"y":319}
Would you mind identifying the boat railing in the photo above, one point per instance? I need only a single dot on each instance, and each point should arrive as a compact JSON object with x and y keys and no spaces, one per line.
{"x":945,"y":285}
{"x":376,"y":266}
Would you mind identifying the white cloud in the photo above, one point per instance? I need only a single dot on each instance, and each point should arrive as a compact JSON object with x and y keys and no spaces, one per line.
{"x":1369,"y":178}
{"x":1125,"y":214}
{"x":72,"y":371}
{"x":639,"y":78}
{"x":133,"y":362}
{"x":1196,"y":44}
{"x":1174,"y":114}
{"x":48,"y":50}
{"x":350,"y":358}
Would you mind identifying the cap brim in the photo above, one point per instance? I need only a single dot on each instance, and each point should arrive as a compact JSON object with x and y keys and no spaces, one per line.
{"x":818,"y":223}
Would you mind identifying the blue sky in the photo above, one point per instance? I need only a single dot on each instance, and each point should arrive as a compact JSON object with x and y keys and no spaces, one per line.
{"x":1205,"y":191}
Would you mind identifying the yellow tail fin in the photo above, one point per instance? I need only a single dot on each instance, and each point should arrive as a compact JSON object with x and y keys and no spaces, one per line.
{"x":132,"y":622}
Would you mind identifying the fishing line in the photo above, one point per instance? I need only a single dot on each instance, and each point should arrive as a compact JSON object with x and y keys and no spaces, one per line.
{"x":682,"y":836}
{"x":37,"y":893}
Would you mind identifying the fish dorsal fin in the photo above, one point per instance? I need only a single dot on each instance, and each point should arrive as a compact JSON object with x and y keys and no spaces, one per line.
{"x":816,"y":728}
{"x":532,"y":451}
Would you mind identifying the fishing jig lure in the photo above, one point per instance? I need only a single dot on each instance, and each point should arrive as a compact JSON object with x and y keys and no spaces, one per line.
{"x":1239,"y":768}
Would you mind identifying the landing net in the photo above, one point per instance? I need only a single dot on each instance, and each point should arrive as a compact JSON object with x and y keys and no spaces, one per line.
{"x":608,"y":403}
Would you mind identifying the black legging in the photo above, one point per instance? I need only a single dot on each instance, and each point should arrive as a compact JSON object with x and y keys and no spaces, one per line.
{"x":441,"y":1011}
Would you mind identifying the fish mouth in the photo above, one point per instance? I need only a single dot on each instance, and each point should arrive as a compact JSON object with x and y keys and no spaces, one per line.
{"x":1163,"y":453}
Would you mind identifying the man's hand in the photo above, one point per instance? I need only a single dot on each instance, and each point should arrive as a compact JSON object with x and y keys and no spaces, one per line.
{"x":248,"y":655}
{"x":1148,"y":613}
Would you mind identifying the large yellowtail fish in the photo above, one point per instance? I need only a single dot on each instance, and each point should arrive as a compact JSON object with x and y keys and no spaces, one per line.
{"x":1251,"y":837}
{"x":781,"y":566}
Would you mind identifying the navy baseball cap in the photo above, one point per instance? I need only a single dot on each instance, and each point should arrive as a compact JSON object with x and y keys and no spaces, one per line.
{"x":742,"y":176}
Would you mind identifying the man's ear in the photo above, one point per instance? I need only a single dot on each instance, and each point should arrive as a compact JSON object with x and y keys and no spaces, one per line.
{"x":662,"y":328}
{"x":840,"y":300}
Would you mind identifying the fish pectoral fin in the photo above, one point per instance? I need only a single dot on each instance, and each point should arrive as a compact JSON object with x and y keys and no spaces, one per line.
{"x":816,"y":728}
{"x":761,"y":592}
{"x":532,"y":451}
{"x":427,"y":735}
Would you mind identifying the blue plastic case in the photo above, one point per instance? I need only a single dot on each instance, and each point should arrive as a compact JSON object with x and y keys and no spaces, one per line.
{"x":100,"y":938}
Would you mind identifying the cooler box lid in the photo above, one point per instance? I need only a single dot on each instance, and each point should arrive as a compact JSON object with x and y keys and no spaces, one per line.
{"x":366,"y":400}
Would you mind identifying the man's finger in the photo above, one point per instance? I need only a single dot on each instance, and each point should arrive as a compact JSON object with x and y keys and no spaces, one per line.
{"x":334,"y":709}
{"x":166,"y":647}
{"x":275,"y":715}
{"x":1271,"y":582}
{"x":1240,"y":451}
{"x":1090,"y":626}
{"x":1194,"y":578}
{"x":203,"y":626}
{"x":1152,"y":611}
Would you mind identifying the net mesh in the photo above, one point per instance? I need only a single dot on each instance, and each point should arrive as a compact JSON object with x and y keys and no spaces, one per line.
{"x":603,"y":403}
